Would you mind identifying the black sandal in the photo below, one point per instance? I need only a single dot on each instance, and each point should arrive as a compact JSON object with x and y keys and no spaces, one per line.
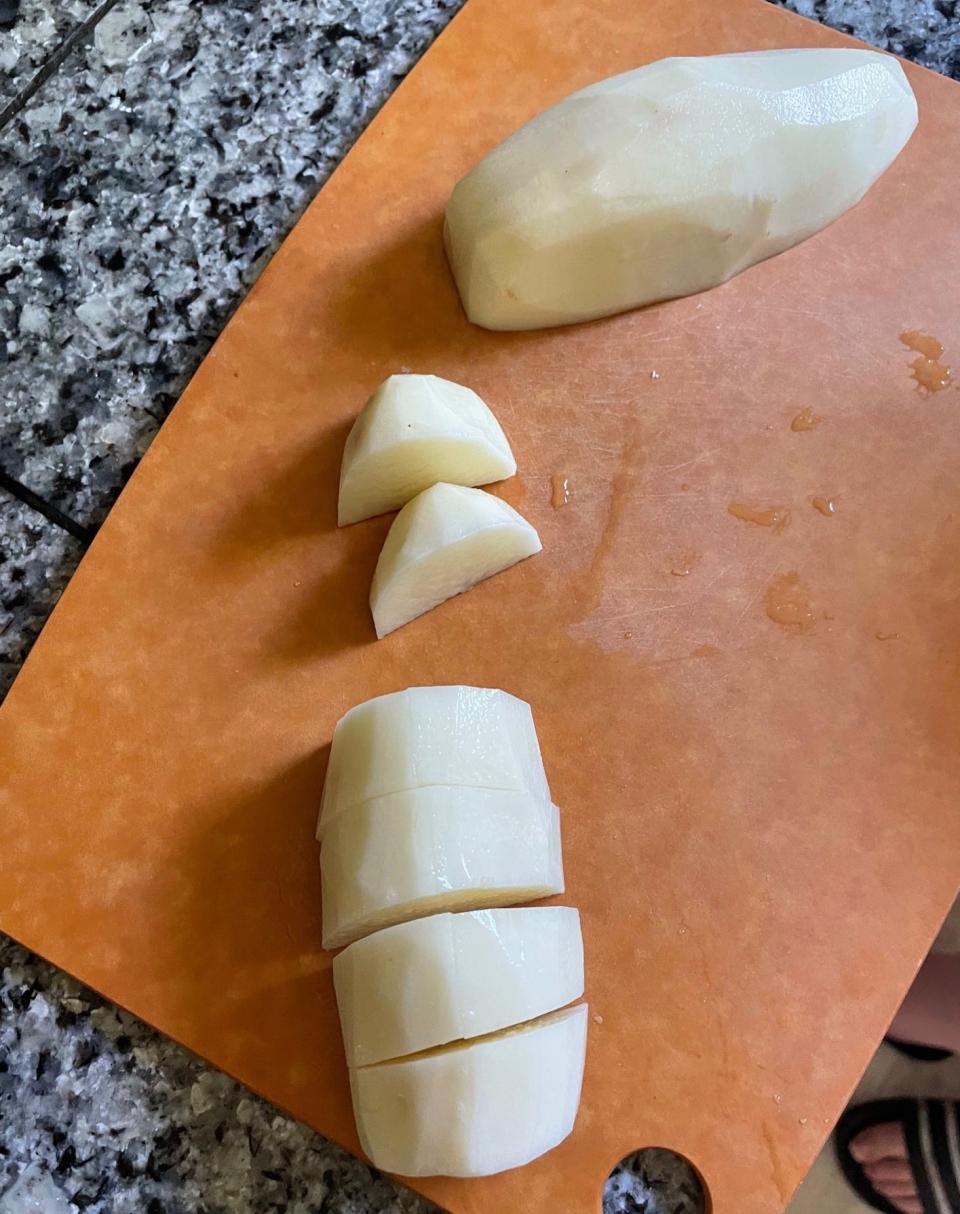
{"x":932,"y":1132}
{"x":920,"y":1053}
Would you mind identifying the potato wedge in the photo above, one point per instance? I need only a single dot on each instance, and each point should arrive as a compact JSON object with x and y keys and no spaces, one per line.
{"x":442,"y":543}
{"x":414,"y":431}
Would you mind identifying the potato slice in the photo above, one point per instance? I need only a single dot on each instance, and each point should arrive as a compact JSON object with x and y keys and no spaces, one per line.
{"x":411,"y":853}
{"x":442,"y":543}
{"x":475,"y":736}
{"x":670,"y":179}
{"x":478,"y":1107}
{"x":422,"y":984}
{"x":414,"y":431}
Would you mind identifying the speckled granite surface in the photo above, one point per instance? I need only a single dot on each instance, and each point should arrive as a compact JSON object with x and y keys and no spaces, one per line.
{"x":29,"y":32}
{"x":926,"y":31}
{"x":36,"y":560}
{"x":145,"y":188}
{"x":142,"y":187}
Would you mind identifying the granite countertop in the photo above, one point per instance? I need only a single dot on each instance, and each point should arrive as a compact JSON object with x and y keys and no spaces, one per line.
{"x":154,"y":153}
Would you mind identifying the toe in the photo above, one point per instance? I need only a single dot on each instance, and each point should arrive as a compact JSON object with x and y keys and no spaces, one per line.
{"x":898,"y":1193}
{"x":878,"y":1142}
{"x":885,"y":1171}
{"x":908,"y":1205}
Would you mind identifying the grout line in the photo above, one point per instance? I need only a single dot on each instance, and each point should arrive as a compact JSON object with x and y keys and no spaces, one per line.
{"x":75,"y":38}
{"x":49,"y":511}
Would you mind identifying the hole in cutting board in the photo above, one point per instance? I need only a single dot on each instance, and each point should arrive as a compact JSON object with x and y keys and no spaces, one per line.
{"x":655,"y":1180}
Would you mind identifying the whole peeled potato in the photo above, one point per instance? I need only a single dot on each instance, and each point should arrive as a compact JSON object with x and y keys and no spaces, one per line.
{"x":670,"y":179}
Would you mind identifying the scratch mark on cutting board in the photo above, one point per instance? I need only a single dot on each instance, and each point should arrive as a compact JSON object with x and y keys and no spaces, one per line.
{"x":689,"y":463}
{"x":589,"y":591}
{"x":709,"y":984}
{"x":755,"y":597}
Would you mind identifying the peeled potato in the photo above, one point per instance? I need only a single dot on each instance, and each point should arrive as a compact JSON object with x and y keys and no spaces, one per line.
{"x":475,"y":1108}
{"x":425,"y":983}
{"x":414,"y":431}
{"x":442,"y":543}
{"x":456,"y":735}
{"x":412,"y":853}
{"x":670,"y":179}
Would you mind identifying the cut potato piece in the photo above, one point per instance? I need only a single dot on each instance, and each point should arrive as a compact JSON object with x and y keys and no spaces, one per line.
{"x":432,"y":849}
{"x":414,"y":431}
{"x":475,"y":736}
{"x":422,"y":984}
{"x":442,"y":543}
{"x":475,"y":1108}
{"x":670,"y":179}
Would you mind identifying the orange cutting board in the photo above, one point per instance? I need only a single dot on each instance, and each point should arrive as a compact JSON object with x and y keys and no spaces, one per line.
{"x":761,"y":823}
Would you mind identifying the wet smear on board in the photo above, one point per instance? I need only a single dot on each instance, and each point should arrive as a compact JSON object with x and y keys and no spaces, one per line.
{"x":560,"y":492}
{"x":788,"y":603}
{"x":806,"y":419}
{"x":775,"y":517}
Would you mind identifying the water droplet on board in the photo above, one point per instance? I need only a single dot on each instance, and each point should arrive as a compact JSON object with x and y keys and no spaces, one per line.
{"x":776,"y":517}
{"x":654,"y":374}
{"x":806,"y":419}
{"x":923,"y":343}
{"x":560,"y":492}
{"x":705,"y":651}
{"x":597,"y":1018}
{"x":887,"y":636}
{"x":788,"y":603}
{"x":826,"y":505}
{"x":930,"y":375}
{"x":927,"y":370}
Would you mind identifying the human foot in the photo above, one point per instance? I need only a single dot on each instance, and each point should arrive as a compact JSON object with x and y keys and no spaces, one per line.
{"x":902,"y":1156}
{"x":881,"y":1151}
